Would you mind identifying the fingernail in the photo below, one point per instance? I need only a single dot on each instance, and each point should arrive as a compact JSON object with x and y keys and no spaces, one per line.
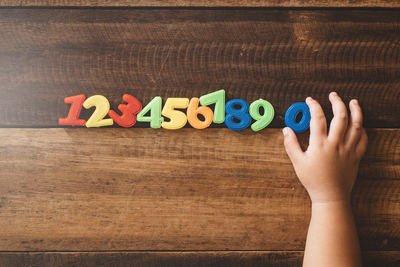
{"x":354,"y":102}
{"x":285,"y":131}
{"x":309,"y":98}
{"x":334,"y":93}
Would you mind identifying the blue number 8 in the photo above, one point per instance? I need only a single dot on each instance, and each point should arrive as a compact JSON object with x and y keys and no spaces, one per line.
{"x":241,"y":114}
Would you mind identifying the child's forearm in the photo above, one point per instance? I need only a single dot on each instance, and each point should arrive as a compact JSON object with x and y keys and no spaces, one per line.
{"x":332,"y":237}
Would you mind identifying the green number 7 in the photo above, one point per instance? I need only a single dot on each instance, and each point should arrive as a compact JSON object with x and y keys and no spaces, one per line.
{"x":217,"y":97}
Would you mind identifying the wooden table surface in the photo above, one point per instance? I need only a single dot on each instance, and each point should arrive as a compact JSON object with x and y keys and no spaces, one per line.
{"x":215,"y":197}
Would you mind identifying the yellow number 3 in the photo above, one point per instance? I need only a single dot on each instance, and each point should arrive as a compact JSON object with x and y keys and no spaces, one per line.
{"x":102,"y":107}
{"x":177,"y":118}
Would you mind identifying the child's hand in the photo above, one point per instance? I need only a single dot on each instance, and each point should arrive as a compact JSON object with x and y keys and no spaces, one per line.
{"x":328,"y":168}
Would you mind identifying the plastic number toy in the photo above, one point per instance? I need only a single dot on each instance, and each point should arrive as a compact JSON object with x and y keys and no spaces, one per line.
{"x":73,"y":114}
{"x":264,"y":120}
{"x":217,"y":98}
{"x":291,"y":114}
{"x":102,"y":107}
{"x":128,"y":117}
{"x":177,"y":118}
{"x":241,"y":115}
{"x":154,"y":107}
{"x":192,"y":112}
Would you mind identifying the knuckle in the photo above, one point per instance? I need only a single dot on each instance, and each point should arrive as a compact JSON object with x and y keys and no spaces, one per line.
{"x":342,"y":115}
{"x":319,"y":116}
{"x":357,"y":125}
{"x":287,"y":142}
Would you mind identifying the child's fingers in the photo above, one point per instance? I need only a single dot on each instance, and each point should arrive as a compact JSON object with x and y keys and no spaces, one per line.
{"x":339,"y":122}
{"x":355,"y":128}
{"x":292,"y":145}
{"x":361,"y":147}
{"x":317,"y":122}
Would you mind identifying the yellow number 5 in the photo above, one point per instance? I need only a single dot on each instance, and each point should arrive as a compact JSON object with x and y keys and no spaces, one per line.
{"x":177,"y":118}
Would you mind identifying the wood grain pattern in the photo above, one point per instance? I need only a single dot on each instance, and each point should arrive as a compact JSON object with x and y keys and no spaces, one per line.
{"x":172,"y":259}
{"x":203,"y":3}
{"x":279,"y":55}
{"x":147,"y":259}
{"x":145,"y":189}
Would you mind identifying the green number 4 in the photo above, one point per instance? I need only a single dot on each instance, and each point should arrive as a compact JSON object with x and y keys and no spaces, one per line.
{"x":154,"y":107}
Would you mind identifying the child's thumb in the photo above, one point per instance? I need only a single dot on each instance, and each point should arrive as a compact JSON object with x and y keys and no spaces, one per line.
{"x":292,"y":145}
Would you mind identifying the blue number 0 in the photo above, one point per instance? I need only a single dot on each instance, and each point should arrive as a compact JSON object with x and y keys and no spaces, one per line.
{"x":291,"y":114}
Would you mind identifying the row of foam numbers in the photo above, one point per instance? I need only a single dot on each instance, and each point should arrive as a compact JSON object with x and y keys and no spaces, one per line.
{"x":239,"y":114}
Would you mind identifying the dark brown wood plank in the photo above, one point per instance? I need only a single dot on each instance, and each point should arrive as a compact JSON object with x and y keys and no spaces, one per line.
{"x":203,"y":3}
{"x":145,"y":189}
{"x":166,"y":259}
{"x":279,"y":55}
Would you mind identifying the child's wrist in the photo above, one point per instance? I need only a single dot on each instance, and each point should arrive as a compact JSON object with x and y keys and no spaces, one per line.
{"x":332,"y":207}
{"x":333,"y":196}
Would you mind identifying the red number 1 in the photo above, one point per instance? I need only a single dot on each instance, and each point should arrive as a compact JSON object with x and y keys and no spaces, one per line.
{"x":74,"y":111}
{"x":128,"y":117}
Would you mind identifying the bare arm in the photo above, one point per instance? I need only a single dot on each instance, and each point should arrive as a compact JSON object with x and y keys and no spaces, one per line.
{"x":328,"y":170}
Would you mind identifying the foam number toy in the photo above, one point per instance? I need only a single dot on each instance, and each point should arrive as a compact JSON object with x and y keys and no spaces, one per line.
{"x":217,"y":98}
{"x":240,"y":114}
{"x":74,"y":111}
{"x":129,"y":111}
{"x":193,"y":110}
{"x":264,"y":120}
{"x":102,"y":107}
{"x":154,"y":107}
{"x":177,"y":118}
{"x":291,"y":114}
